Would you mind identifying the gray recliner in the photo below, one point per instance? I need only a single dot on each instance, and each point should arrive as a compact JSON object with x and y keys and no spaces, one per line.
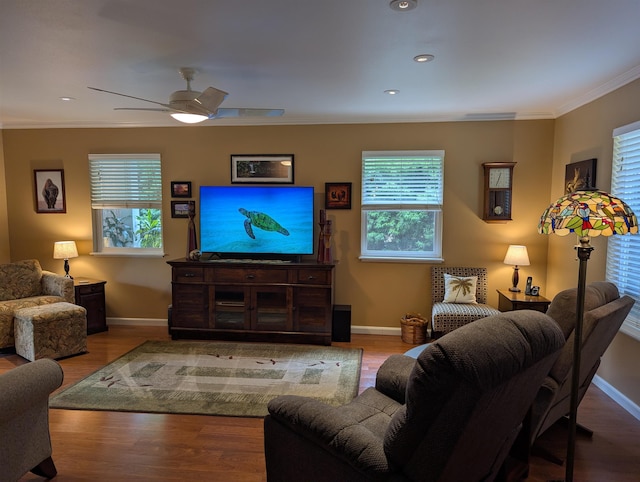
{"x":451,"y":415}
{"x":604,"y":313}
{"x":25,"y":444}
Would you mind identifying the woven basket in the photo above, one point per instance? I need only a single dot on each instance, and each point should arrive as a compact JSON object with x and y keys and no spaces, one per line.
{"x":413,"y":327}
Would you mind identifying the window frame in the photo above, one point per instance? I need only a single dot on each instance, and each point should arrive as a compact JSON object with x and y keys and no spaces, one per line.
{"x":99,"y":205}
{"x":622,"y":250}
{"x":434,"y":205}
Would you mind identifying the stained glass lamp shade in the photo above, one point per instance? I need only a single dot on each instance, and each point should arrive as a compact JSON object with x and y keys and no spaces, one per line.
{"x":586,"y":214}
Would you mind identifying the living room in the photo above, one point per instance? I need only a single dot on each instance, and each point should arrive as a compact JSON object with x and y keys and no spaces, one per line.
{"x":379,"y":293}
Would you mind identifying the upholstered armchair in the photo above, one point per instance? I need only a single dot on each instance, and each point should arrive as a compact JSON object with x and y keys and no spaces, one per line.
{"x":25,"y":444}
{"x":448,"y":315}
{"x":604,"y":313}
{"x":451,"y":415}
{"x":24,"y":284}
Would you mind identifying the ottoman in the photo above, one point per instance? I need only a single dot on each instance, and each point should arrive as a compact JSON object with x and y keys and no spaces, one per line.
{"x":54,"y":330}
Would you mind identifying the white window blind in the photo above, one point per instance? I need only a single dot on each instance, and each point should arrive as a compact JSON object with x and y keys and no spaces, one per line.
{"x":402,"y":193}
{"x":125,"y":181}
{"x":623,"y":264}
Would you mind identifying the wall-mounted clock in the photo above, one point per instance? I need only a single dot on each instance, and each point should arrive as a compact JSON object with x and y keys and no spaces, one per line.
{"x":498,"y":187}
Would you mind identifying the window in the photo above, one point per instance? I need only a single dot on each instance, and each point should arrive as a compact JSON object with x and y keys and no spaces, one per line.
{"x":126,"y":204}
{"x":402,"y":205}
{"x":623,"y":265}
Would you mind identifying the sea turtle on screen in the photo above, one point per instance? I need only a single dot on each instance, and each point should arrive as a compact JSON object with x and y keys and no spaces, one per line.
{"x":262,"y":221}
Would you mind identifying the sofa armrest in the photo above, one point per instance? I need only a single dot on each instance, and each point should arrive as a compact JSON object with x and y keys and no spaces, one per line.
{"x":58,"y":285}
{"x":27,"y":385}
{"x":393,"y":375}
{"x":330,"y":427}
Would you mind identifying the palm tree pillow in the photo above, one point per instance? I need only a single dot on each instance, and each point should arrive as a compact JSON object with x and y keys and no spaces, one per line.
{"x":459,"y":289}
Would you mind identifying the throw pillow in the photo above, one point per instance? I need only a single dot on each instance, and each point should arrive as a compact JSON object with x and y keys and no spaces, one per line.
{"x":458,"y":289}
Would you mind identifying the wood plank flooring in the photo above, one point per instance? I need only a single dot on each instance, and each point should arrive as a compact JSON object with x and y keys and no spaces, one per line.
{"x":113,"y":446}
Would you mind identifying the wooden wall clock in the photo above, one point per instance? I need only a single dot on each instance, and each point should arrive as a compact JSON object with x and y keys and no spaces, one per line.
{"x":498,"y":187}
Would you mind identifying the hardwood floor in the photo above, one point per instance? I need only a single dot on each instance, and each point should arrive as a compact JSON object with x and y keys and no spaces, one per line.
{"x":111,"y":446}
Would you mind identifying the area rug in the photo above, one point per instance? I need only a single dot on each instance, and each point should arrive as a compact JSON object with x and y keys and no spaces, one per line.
{"x":215,"y":378}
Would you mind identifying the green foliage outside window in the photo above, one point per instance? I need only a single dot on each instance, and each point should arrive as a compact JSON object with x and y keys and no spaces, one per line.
{"x":149,"y":228}
{"x":400,"y":230}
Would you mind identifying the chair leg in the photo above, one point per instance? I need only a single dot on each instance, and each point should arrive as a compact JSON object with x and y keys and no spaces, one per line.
{"x":46,"y":469}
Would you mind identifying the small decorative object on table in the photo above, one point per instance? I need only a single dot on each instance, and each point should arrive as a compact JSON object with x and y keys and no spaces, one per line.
{"x":192,"y":241}
{"x":413,"y":327}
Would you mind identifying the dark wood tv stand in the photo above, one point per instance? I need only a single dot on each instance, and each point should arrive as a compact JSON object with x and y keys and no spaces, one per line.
{"x":252,"y":301}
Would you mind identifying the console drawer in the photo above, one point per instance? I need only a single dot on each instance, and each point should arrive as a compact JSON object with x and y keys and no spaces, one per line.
{"x":314,"y":276}
{"x":188,"y":274}
{"x":249,"y":275}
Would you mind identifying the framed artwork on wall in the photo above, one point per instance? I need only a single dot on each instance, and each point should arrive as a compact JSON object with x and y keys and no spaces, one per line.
{"x":180,"y":188}
{"x":180,"y":209}
{"x":262,"y":168}
{"x":580,"y":176}
{"x":337,"y":195}
{"x":49,"y":191}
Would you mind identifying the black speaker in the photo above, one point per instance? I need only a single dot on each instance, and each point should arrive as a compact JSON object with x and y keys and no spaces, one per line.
{"x":341,"y":326}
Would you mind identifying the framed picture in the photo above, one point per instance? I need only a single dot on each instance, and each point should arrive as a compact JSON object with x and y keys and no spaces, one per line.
{"x":49,"y":190}
{"x":180,"y":209}
{"x":580,"y":176}
{"x":180,"y":188}
{"x":337,"y":195}
{"x":264,"y":168}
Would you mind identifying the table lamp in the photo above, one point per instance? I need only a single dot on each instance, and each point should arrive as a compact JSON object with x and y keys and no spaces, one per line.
{"x":586,"y":214}
{"x":517,"y":256}
{"x":65,"y":250}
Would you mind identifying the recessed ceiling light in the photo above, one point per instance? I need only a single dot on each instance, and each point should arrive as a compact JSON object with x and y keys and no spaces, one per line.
{"x":392,"y":91}
{"x":67,"y":98}
{"x":403,"y":5}
{"x":422,"y":58}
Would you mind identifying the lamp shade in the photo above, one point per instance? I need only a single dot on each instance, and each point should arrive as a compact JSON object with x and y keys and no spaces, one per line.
{"x":588,"y":213}
{"x":65,"y":250}
{"x":517,"y":256}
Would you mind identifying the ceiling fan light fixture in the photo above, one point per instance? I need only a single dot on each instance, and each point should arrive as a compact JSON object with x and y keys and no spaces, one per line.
{"x":392,"y":91}
{"x":403,"y":5}
{"x":423,"y":58}
{"x":188,"y":118}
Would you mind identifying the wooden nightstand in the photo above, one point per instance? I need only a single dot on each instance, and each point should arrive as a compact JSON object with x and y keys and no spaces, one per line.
{"x":90,"y":295}
{"x":510,"y":301}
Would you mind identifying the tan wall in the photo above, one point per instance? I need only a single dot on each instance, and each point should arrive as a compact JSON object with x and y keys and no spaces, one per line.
{"x":378,"y":292}
{"x":5,"y":252}
{"x":583,"y":134}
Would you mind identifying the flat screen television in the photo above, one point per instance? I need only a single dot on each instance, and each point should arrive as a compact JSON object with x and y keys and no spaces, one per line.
{"x":257,"y":222}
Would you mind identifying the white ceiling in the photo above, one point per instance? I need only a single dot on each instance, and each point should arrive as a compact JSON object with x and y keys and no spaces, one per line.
{"x":323,"y":61}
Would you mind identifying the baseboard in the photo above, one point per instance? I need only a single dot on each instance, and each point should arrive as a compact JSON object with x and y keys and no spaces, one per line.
{"x":137,"y":321}
{"x":618,"y":397}
{"x":375,"y":330}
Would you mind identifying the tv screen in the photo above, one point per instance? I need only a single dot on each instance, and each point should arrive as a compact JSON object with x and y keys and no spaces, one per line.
{"x":256,"y":220}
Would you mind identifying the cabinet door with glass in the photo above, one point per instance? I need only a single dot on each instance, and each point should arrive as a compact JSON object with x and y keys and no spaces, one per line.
{"x":231,"y":307}
{"x":271,"y":308}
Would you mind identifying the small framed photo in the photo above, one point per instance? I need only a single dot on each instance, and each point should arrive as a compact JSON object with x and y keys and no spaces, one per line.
{"x":263,"y":168}
{"x":337,"y":195}
{"x":49,"y":190}
{"x":180,"y":209}
{"x":580,"y":176}
{"x":180,"y":188}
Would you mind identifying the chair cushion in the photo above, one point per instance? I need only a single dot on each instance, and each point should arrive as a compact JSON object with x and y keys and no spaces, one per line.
{"x":20,"y":279}
{"x":446,"y":317}
{"x":460,"y":289}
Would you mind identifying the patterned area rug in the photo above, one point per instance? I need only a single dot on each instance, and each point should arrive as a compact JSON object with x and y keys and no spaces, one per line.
{"x":215,"y":378}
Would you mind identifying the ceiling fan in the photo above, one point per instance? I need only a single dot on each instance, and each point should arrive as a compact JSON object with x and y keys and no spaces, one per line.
{"x":190,"y":106}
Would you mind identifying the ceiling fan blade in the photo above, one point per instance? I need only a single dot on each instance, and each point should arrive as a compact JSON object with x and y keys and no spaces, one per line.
{"x":129,"y":96}
{"x":143,"y":108}
{"x":230,"y":112}
{"x":211,"y":98}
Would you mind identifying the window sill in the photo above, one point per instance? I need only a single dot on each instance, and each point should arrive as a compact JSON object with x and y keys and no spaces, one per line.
{"x":393,"y":259}
{"x":127,"y":255}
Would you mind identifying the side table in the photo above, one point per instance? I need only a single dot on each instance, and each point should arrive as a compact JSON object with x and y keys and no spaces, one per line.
{"x":510,"y":301}
{"x":90,"y":295}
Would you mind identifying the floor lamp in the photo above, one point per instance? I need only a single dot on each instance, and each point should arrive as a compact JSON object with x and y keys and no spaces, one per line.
{"x":586,"y":214}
